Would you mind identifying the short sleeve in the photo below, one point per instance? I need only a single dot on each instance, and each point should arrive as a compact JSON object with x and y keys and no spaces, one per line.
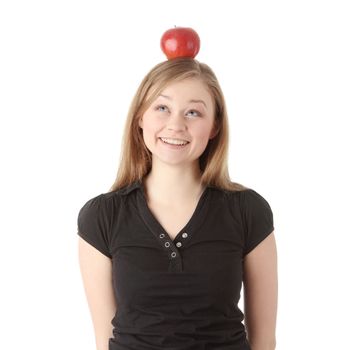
{"x":93,"y":224}
{"x":257,"y":219}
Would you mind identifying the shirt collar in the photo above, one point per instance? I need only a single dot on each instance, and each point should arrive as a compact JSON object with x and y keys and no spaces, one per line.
{"x":137,"y":184}
{"x":126,"y":190}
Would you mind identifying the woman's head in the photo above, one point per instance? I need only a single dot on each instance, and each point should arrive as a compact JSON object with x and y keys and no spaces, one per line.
{"x":184,"y":111}
{"x":136,"y":158}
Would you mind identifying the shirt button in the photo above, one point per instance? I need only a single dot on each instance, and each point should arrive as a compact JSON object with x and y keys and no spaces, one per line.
{"x":173,"y":254}
{"x":167,"y":244}
{"x":178,"y":244}
{"x":184,"y":235}
{"x":161,"y":235}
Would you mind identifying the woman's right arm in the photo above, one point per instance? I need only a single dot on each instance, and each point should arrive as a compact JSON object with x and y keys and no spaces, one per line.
{"x":96,"y":272}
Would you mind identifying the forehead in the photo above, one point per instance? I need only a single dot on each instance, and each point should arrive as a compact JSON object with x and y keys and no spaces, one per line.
{"x":187,"y":89}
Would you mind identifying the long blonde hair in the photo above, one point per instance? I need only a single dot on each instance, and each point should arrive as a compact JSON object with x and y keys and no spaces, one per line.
{"x":136,"y":159}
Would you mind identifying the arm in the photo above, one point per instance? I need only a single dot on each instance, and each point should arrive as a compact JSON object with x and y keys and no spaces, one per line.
{"x":260,"y":294}
{"x":96,"y":272}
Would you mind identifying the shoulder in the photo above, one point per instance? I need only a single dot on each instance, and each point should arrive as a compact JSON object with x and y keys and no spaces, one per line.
{"x":252,"y":205}
{"x":246,"y":197}
{"x":108,"y":203}
{"x":102,"y":203}
{"x":254,"y":212}
{"x":253,"y":198}
{"x":93,"y":222}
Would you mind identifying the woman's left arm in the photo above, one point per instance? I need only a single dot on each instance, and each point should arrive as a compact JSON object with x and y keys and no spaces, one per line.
{"x":260,"y":294}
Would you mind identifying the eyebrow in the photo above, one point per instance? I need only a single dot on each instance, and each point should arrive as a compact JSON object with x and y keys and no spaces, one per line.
{"x":168,"y":97}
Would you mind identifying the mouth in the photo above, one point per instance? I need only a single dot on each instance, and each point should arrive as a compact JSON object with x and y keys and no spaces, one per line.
{"x":173,"y":145}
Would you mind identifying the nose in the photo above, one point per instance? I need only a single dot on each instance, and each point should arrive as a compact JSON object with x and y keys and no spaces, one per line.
{"x":176,"y":122}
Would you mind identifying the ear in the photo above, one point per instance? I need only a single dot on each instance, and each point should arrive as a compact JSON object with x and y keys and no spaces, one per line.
{"x":213,"y":132}
{"x":140,"y":122}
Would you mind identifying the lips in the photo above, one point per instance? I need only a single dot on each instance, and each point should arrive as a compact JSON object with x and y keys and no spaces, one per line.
{"x":174,"y":138}
{"x":171,"y":145}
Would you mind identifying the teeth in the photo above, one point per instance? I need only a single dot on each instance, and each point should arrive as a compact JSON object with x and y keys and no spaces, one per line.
{"x":174,"y":142}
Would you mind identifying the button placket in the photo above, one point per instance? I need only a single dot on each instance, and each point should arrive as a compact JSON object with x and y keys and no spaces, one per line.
{"x":193,"y":225}
{"x":167,"y":245}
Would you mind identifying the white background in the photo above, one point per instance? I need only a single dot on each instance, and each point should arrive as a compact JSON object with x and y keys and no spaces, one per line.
{"x":68,"y":72}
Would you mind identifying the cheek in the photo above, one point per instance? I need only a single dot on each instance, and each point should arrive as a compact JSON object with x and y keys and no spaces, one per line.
{"x":203,"y":133}
{"x":147,"y":123}
{"x":151,"y":120}
{"x":151,"y":128}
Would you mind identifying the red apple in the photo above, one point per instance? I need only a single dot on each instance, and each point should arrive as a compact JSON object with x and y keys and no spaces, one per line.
{"x":180,"y":42}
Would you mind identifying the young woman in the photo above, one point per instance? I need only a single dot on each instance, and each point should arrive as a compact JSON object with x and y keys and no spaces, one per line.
{"x":164,"y":253}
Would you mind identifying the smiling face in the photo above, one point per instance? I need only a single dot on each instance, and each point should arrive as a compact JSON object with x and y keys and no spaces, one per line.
{"x":184,"y":111}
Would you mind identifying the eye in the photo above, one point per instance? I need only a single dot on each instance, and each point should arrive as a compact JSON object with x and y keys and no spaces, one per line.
{"x":159,"y":106}
{"x":191,"y":110}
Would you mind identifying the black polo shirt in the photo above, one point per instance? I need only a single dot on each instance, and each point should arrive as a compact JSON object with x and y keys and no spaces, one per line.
{"x":179,"y":294}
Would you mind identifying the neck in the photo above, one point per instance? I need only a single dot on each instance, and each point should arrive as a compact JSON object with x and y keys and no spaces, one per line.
{"x":172,"y":186}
